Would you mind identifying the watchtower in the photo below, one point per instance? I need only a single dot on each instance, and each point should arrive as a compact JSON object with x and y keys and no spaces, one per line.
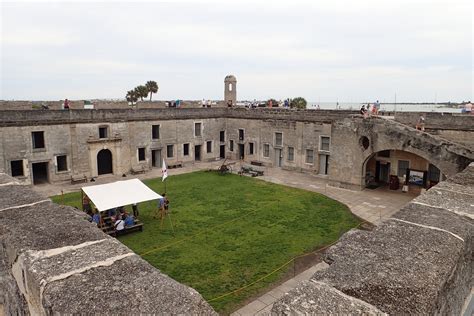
{"x":230,"y":90}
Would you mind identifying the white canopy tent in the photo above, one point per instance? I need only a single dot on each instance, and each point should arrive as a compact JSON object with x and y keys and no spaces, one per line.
{"x":120,"y":193}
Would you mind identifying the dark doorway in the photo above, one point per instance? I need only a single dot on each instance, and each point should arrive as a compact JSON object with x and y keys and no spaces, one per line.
{"x":40,"y":172}
{"x":156,"y":158}
{"x":104,"y":162}
{"x":222,"y":152}
{"x":241,"y":151}
{"x":382,"y":172}
{"x":197,"y":152}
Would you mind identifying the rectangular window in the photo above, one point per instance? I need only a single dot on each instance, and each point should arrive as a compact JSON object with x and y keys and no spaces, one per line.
{"x":103,"y":132}
{"x":17,"y":168}
{"x":266,"y":150}
{"x":325,"y":143}
{"x":61,"y":163}
{"x":278,"y":139}
{"x":38,"y":140}
{"x":169,"y":151}
{"x":241,"y":134}
{"x":209,"y":146}
{"x":197,"y":129}
{"x":141,"y":154}
{"x":309,"y":156}
{"x":155,"y":132}
{"x":403,"y":165}
{"x":251,"y":146}
{"x":222,"y":136}
{"x":185,"y":149}
{"x":291,"y":153}
{"x":231,"y":145}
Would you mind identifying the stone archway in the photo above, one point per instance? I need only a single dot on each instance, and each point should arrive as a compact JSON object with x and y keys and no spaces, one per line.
{"x":380,"y":166}
{"x":104,"y":162}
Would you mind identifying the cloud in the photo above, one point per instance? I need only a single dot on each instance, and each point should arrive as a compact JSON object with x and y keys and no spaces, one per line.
{"x":337,"y":49}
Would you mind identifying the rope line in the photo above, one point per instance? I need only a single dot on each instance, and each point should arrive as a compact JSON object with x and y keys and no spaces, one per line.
{"x":277,"y":269}
{"x":197,"y":234}
{"x":259,"y":279}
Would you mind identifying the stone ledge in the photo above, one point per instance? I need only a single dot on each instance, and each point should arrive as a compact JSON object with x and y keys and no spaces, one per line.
{"x":53,"y":261}
{"x":317,"y":298}
{"x":418,"y":262}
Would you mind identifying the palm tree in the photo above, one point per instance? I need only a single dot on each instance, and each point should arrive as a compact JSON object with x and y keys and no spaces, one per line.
{"x":131,"y":96}
{"x":141,"y":92}
{"x":152,"y":87}
{"x":299,"y":103}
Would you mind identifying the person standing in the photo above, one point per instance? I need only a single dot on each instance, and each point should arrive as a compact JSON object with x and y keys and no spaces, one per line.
{"x":135,"y":210}
{"x":66,"y":104}
{"x":420,"y":125}
{"x":377,"y":107}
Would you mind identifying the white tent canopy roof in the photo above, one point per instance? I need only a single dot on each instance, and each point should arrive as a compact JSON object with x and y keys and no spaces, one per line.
{"x":120,"y":193}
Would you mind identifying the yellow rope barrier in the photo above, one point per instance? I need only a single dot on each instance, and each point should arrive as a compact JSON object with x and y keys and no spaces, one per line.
{"x":197,"y":234}
{"x":277,"y":269}
{"x":259,"y":279}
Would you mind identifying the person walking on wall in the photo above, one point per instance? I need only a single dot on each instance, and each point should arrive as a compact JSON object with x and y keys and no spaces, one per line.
{"x":420,"y":125}
{"x":66,"y":104}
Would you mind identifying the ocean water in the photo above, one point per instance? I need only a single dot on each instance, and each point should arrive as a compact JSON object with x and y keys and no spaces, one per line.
{"x":402,"y":107}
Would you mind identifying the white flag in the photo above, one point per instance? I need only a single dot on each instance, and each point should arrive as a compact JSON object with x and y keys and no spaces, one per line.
{"x":164,"y":171}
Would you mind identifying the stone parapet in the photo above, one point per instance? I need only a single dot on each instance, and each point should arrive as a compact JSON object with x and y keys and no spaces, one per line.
{"x":34,"y":117}
{"x":438,"y":121}
{"x":420,"y":261}
{"x":53,"y":261}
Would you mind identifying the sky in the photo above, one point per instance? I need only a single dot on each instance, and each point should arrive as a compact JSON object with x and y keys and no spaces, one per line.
{"x":344,"y":50}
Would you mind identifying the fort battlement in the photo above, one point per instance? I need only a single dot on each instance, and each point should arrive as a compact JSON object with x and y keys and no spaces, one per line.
{"x":37,"y":117}
{"x":417,"y":262}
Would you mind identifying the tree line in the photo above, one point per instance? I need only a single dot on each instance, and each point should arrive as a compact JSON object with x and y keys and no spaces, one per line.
{"x":142,"y":91}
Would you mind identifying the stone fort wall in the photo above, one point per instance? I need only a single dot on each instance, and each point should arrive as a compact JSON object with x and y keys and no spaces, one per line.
{"x":418,"y":262}
{"x":54,"y":262}
{"x":301,"y":133}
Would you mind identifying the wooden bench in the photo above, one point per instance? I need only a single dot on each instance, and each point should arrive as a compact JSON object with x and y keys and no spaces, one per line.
{"x":78,"y":179}
{"x":256,"y":163}
{"x":251,"y":170}
{"x":109,"y":228}
{"x":177,"y":164}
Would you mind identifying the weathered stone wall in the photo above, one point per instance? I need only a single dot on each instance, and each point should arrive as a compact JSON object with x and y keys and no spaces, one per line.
{"x":75,"y":133}
{"x":436,"y":120}
{"x":98,"y":104}
{"x":348,"y":156}
{"x":300,"y":136}
{"x":419,"y":262}
{"x":80,"y":142}
{"x":53,"y":261}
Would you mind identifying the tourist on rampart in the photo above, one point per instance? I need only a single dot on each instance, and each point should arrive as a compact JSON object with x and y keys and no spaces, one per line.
{"x":420,"y":125}
{"x":66,"y":104}
{"x":363,"y":111}
{"x":377,"y":107}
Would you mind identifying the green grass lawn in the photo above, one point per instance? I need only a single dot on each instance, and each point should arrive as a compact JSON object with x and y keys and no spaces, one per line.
{"x":231,"y":231}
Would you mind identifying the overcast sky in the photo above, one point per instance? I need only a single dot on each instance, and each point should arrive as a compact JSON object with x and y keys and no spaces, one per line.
{"x":350,"y":51}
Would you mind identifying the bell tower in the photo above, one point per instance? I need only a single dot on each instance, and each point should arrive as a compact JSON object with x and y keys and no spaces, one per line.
{"x":230,"y":90}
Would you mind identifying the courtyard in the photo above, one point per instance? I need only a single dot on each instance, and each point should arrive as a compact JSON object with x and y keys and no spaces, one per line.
{"x":229,"y":231}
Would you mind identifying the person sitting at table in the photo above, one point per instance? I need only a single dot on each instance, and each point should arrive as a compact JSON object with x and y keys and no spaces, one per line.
{"x":112,"y":213}
{"x":119,"y":224}
{"x":129,"y":220}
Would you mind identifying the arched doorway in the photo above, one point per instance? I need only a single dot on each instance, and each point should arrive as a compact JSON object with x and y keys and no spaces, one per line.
{"x":396,"y":168}
{"x":104,"y":162}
